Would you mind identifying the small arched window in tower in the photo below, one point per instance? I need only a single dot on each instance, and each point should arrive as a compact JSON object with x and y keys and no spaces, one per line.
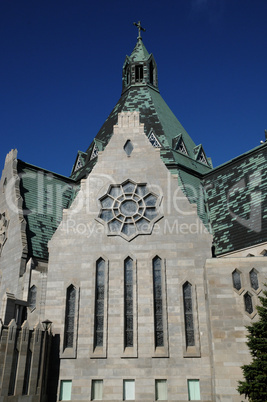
{"x":99,"y":303}
{"x":253,"y":276}
{"x":139,"y":73}
{"x":188,"y":315}
{"x":248,"y":303}
{"x":32,"y":297}
{"x":69,"y":317}
{"x":236,"y":279}
{"x":158,"y":307}
{"x":151,"y":73}
{"x":128,"y":302}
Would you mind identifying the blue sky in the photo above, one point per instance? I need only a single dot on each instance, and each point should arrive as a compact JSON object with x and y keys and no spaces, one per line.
{"x":61,"y":65}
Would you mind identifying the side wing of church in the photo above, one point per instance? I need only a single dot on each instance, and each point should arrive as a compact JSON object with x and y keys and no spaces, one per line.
{"x":147,"y":261}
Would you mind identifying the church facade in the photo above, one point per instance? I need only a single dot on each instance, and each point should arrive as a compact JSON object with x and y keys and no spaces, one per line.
{"x":147,"y":260}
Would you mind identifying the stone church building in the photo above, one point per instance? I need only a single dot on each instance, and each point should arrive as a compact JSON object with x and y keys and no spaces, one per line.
{"x":147,"y":261}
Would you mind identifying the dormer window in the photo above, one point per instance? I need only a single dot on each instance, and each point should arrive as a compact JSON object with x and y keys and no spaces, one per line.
{"x":201,"y":158}
{"x":139,"y":73}
{"x":94,"y":152}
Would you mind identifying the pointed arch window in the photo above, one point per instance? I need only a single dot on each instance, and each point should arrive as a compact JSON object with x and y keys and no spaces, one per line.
{"x":99,"y":303}
{"x":128,"y":303}
{"x":188,"y":315}
{"x":69,"y":317}
{"x":158,"y":304}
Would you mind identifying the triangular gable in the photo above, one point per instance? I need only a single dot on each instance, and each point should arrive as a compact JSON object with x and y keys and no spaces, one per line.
{"x":79,"y":162}
{"x":179,"y":145}
{"x":153,"y":140}
{"x":200,"y":155}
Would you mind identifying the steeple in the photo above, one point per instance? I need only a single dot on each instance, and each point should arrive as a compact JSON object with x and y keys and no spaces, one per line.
{"x":140,"y":68}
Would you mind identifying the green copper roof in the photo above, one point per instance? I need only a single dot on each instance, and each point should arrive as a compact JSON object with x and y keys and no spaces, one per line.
{"x":139,"y":53}
{"x":45,"y":195}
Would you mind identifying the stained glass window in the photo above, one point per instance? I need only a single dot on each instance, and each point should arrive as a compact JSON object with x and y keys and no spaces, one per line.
{"x":129,"y":209}
{"x":69,"y":317}
{"x":254,"y":279}
{"x":158,"y":308}
{"x":188,"y":315}
{"x":128,"y":302}
{"x":99,"y":302}
{"x":248,"y":303}
{"x":236,"y":279}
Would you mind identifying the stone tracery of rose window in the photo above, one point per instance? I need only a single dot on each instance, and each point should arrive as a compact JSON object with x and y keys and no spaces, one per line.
{"x":129,"y":209}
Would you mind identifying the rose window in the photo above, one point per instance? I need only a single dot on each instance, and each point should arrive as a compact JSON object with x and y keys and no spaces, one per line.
{"x":129,"y":209}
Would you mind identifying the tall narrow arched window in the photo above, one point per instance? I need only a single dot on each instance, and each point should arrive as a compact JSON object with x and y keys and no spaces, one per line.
{"x":99,"y":303}
{"x":188,"y":315}
{"x":158,"y":307}
{"x":128,"y":302}
{"x":69,"y":317}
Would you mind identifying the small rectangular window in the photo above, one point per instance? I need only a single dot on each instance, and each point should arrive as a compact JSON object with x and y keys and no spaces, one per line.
{"x":65,"y":390}
{"x":97,"y":390}
{"x":193,"y":390}
{"x":161,"y":390}
{"x":128,"y":390}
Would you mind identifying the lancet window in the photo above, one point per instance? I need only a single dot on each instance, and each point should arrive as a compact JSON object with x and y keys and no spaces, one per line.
{"x":188,"y":315}
{"x":99,"y":303}
{"x":128,"y":302}
{"x":158,"y":305}
{"x":69,"y":317}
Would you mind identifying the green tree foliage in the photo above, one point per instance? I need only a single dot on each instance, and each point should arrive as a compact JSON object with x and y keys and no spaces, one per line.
{"x":255,"y":384}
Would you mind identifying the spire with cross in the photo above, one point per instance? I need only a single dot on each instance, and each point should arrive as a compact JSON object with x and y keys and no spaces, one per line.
{"x":138,"y":25}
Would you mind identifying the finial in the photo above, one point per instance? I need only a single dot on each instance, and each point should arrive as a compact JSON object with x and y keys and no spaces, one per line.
{"x":139,"y":29}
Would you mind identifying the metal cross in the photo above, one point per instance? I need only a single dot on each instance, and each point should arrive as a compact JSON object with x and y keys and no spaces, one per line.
{"x":139,"y":29}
